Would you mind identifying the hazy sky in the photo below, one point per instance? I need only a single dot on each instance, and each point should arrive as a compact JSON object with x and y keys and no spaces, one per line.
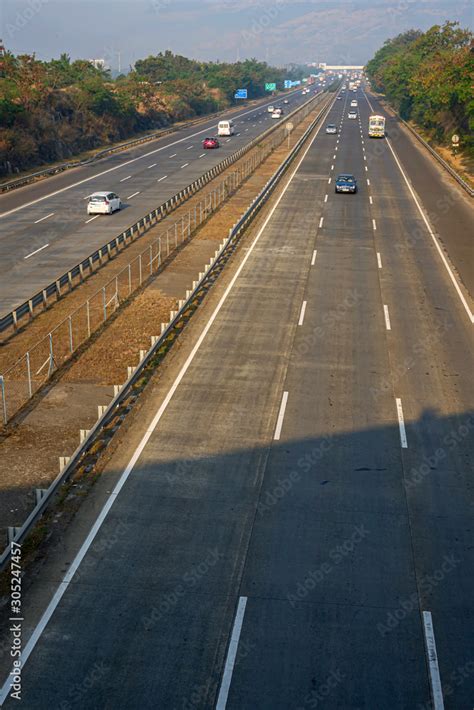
{"x":280,"y":31}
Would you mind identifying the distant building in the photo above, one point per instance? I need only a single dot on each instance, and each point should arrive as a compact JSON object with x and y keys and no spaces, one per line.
{"x":98,"y":63}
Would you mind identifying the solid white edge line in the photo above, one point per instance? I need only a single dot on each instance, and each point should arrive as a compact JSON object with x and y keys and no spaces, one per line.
{"x":281,"y":416}
{"x":379,"y":260}
{"x":313,"y":258}
{"x":435,"y":678}
{"x":39,"y":628}
{"x":302,"y":312}
{"x":428,"y":227}
{"x":401,"y":423}
{"x":387,"y":317}
{"x":117,"y":167}
{"x":36,"y":251}
{"x":231,"y":655}
{"x":43,"y":218}
{"x":433,"y":237}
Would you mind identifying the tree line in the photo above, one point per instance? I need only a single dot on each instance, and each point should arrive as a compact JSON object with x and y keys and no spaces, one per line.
{"x":428,"y":77}
{"x":51,"y":111}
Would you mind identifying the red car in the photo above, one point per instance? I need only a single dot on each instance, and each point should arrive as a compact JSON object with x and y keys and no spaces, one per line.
{"x":210,"y":143}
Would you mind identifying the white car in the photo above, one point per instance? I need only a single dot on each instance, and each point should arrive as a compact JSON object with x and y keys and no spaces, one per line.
{"x":270,"y":109}
{"x":103,"y":203}
{"x":276,"y":113}
{"x":286,"y":101}
{"x":352,"y":114}
{"x":331,"y":128}
{"x":353,"y":102}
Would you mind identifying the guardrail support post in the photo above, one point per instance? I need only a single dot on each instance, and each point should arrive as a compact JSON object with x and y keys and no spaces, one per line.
{"x":28,"y":371}
{"x":4,"y":401}
{"x":71,"y":346}
{"x":104,"y":303}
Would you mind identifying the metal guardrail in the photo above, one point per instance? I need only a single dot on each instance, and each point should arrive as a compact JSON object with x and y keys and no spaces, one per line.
{"x":44,"y":497}
{"x":56,"y":169}
{"x":433,"y":152}
{"x":440,"y":160}
{"x":54,"y":289}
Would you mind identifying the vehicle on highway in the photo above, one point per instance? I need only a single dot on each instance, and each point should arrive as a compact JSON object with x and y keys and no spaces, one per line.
{"x":286,"y":101}
{"x":345,"y":183}
{"x":226,"y":128}
{"x":338,"y":98}
{"x":353,"y":102}
{"x":376,"y":126}
{"x":276,"y":113}
{"x":331,"y":128}
{"x":210,"y":143}
{"x":103,"y":203}
{"x":271,"y":109}
{"x":352,"y":114}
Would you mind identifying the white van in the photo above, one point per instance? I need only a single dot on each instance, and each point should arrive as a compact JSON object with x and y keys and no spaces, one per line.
{"x":225,"y":128}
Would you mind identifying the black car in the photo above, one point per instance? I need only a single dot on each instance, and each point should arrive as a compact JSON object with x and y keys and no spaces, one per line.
{"x":346,"y":183}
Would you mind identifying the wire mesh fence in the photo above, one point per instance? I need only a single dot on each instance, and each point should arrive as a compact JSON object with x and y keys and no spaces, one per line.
{"x":30,"y":372}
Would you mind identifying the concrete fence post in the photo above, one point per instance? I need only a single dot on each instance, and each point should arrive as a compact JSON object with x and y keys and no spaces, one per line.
{"x":71,"y":346}
{"x":88,"y":317}
{"x":4,"y":401}
{"x":28,"y":372}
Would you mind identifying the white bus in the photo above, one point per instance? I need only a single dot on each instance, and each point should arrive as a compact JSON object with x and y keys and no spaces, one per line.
{"x":225,"y":128}
{"x":376,"y":126}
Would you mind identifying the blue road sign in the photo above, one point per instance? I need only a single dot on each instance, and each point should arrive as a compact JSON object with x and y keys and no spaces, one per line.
{"x":240,"y":94}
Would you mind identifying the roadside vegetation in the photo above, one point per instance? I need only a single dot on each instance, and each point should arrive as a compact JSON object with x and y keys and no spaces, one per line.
{"x":51,"y":111}
{"x":428,"y":77}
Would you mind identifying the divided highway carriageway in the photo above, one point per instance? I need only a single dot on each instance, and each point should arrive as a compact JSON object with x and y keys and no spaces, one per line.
{"x":292,"y":519}
{"x":45,"y":229}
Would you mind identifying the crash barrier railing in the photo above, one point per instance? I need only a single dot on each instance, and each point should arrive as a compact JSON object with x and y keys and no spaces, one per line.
{"x":440,"y":160}
{"x":433,"y":152}
{"x":82,"y":270}
{"x":55,"y":169}
{"x":22,"y":380}
{"x":107,"y":414}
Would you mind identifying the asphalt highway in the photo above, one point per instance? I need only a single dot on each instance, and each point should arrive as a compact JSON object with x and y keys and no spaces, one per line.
{"x":296,"y":515}
{"x":45,"y":229}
